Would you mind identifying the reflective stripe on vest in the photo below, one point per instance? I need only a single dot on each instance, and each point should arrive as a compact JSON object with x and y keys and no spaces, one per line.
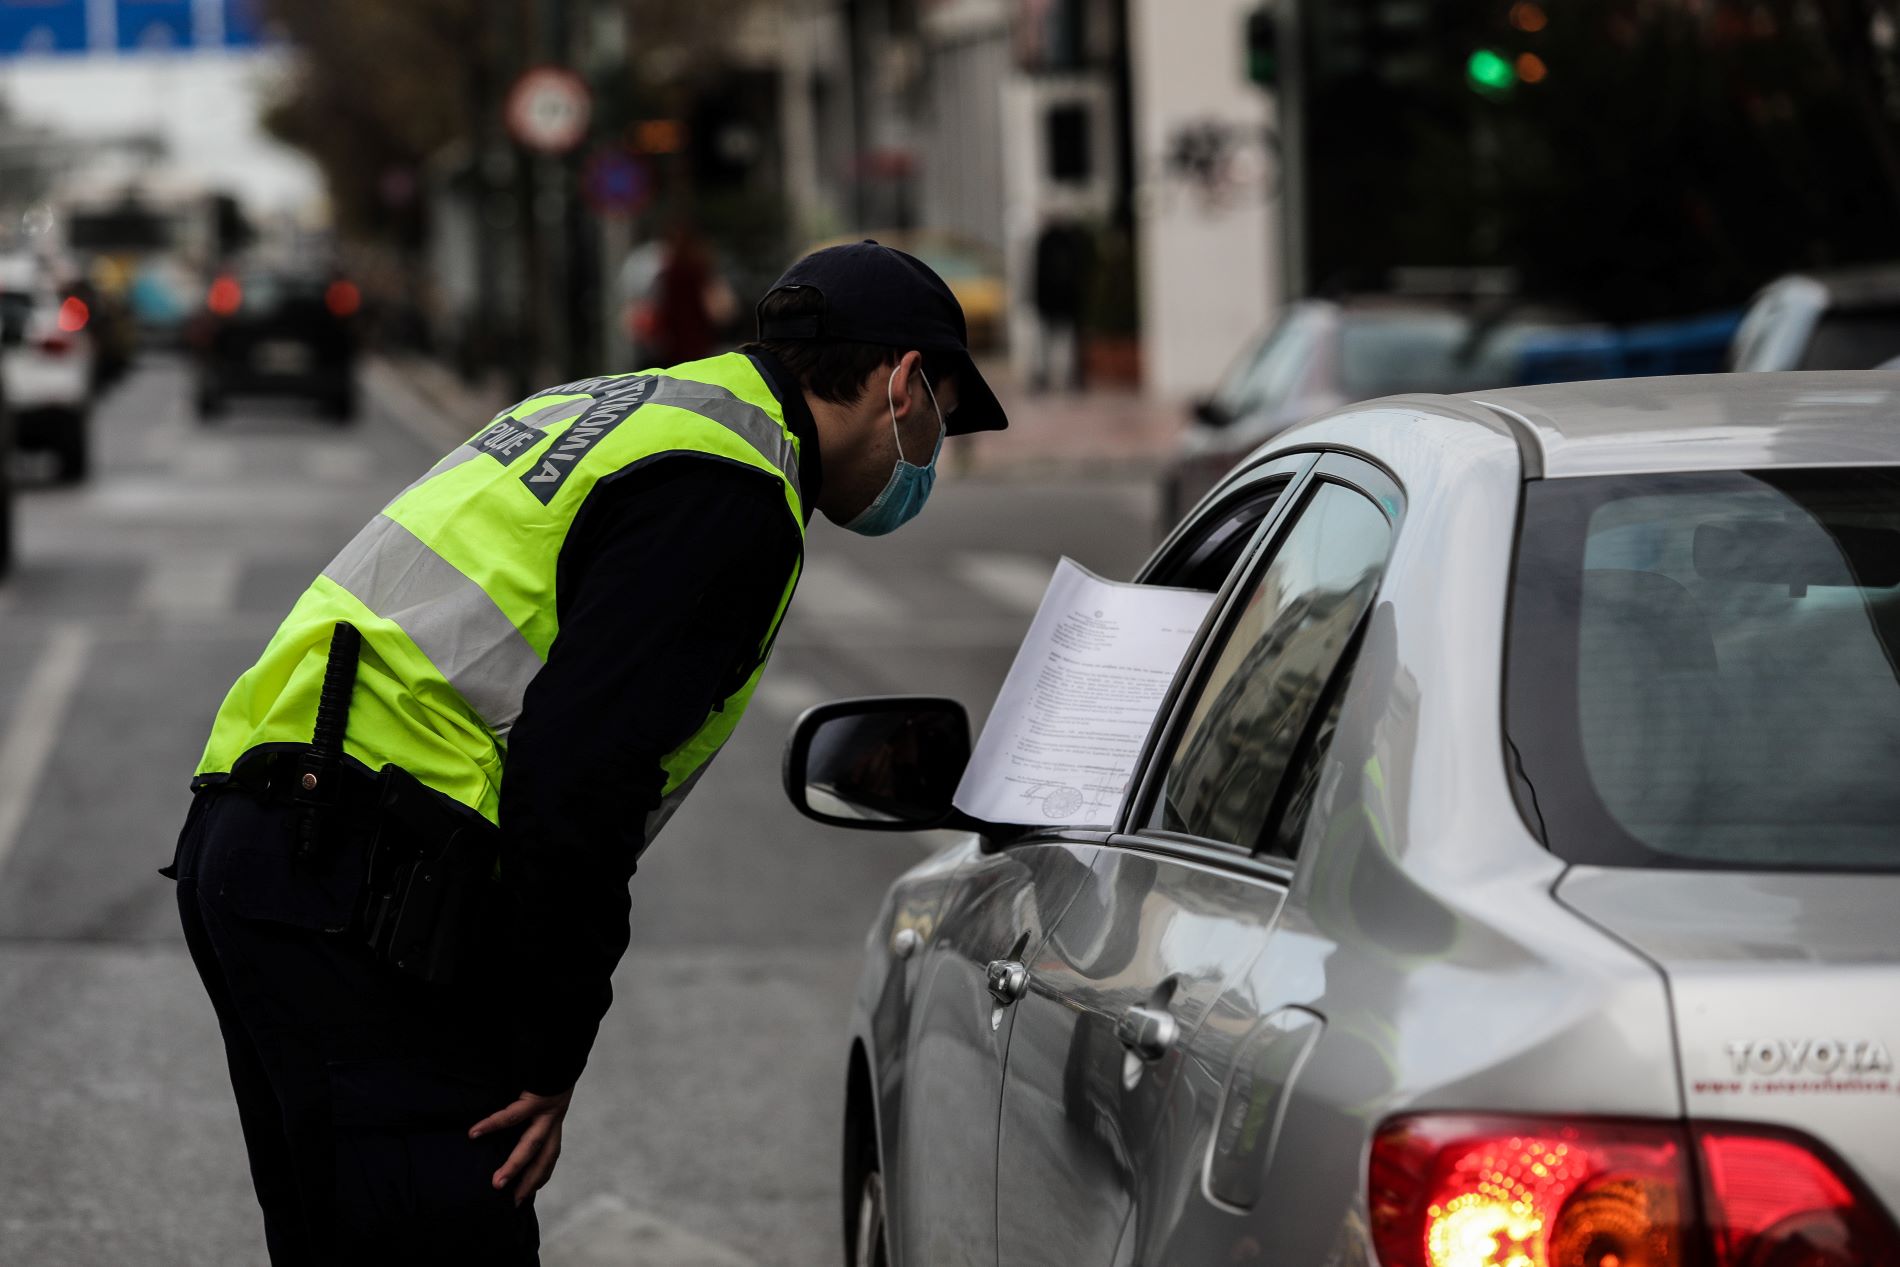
{"x":450,"y":618}
{"x":453,"y":584}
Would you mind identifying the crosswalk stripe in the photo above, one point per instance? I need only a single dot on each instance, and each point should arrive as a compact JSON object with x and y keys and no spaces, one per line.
{"x":202,"y":584}
{"x":38,"y":716}
{"x":838,"y":592}
{"x":1017,"y":581}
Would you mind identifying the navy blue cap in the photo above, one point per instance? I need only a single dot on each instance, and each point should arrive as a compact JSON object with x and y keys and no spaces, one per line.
{"x":879,"y":295}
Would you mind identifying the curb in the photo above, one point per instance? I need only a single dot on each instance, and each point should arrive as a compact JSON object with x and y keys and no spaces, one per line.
{"x":419,"y":411}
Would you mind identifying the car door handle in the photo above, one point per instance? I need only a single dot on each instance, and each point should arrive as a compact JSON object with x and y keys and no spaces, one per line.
{"x":1147,"y":1032}
{"x":1007,"y":979}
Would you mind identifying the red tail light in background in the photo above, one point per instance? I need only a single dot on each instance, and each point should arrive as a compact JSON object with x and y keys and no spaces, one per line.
{"x":342,"y":298}
{"x":74,"y":314}
{"x":1456,"y":1191}
{"x":225,"y":296}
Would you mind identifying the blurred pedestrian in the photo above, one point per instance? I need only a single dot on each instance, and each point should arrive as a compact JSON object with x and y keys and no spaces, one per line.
{"x":692,"y":302}
{"x":404,"y":875}
{"x":1063,"y":259}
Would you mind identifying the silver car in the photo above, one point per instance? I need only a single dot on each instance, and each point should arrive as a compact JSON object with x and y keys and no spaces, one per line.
{"x":1847,"y":319}
{"x":1511,"y":878}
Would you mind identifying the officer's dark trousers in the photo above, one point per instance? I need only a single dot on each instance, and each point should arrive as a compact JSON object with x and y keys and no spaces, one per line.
{"x":355,"y":1086}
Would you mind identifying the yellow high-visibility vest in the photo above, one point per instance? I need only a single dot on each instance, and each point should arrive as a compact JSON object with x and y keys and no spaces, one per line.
{"x":452,"y":585}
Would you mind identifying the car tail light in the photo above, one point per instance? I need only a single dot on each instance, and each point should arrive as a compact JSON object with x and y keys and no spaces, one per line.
{"x":74,"y":314}
{"x":1458,"y":1191}
{"x":1773,"y":1201}
{"x":225,"y":296}
{"x":56,"y":344}
{"x":1500,"y":1192}
{"x":342,"y":298}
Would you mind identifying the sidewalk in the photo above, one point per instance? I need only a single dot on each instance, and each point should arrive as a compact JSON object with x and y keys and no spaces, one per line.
{"x":1095,"y":432}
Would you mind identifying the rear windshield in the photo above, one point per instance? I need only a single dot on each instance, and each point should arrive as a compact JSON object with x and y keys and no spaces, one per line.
{"x":1386,"y":354}
{"x":267,"y":294}
{"x":1704,"y":669}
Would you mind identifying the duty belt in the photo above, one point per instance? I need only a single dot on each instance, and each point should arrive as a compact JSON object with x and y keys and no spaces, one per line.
{"x":429,"y":863}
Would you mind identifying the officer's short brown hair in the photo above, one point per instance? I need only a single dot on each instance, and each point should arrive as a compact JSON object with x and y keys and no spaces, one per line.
{"x":830,"y":369}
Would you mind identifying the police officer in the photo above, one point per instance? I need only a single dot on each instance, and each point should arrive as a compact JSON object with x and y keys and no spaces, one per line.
{"x":404,"y":874}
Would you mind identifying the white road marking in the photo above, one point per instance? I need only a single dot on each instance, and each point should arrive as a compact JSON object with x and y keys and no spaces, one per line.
{"x":1017,"y":581}
{"x":788,"y":694}
{"x":201,"y":584}
{"x":36,"y":723}
{"x":835,"y":592}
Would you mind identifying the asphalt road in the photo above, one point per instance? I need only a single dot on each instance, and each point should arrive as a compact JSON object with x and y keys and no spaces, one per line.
{"x":705,"y":1133}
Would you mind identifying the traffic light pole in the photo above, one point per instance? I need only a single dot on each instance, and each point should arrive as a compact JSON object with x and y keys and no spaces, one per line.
{"x":1290,"y":112}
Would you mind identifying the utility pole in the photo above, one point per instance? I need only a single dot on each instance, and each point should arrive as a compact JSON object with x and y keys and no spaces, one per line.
{"x":1276,"y":61}
{"x":551,"y":215}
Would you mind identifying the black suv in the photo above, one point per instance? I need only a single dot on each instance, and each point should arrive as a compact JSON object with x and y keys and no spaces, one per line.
{"x":280,"y":333}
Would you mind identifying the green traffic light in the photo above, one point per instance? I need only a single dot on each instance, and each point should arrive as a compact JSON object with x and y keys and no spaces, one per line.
{"x":1490,"y":72}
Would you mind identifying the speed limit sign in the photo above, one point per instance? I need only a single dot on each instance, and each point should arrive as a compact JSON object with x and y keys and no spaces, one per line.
{"x":548,"y":109}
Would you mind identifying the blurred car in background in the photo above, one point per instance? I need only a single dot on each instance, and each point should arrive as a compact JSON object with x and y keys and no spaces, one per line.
{"x":6,"y":489}
{"x":277,"y":332}
{"x":1684,"y":345}
{"x":114,"y":334}
{"x":1324,"y":353}
{"x":1843,"y":320}
{"x":972,"y":271}
{"x":46,"y":360}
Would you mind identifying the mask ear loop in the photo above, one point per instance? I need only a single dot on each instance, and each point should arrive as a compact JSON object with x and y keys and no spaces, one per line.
{"x":890,"y":398}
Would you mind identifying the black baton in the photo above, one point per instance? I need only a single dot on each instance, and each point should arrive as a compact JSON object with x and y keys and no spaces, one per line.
{"x":320,"y":768}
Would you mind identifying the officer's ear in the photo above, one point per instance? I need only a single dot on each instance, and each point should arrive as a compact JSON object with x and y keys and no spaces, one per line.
{"x":907,"y":391}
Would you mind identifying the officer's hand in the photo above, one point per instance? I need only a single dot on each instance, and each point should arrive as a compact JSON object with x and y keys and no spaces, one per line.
{"x":539,"y":1146}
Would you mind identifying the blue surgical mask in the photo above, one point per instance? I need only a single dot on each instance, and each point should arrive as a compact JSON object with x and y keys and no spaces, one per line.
{"x":909,"y":486}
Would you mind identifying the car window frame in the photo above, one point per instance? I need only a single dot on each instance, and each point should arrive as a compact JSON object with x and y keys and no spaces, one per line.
{"x":1194,"y":538}
{"x":1281,"y":475}
{"x":1354,"y":471}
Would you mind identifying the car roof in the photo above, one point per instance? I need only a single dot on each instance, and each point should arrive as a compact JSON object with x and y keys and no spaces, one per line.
{"x":1700,"y":422}
{"x":1868,"y":285}
{"x":1704,"y":422}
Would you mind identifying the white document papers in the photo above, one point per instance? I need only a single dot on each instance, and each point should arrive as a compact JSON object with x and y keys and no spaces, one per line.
{"x":1062,"y":741}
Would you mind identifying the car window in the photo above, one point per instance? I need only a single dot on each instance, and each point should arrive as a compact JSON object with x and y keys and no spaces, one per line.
{"x":1271,"y":669}
{"x":1853,"y":339}
{"x":1704,"y":668}
{"x":1268,"y":378}
{"x":1205,"y":558}
{"x":1385,"y":353}
{"x":15,"y":306}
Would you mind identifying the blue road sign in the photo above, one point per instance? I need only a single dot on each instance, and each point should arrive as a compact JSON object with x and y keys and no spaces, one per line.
{"x":616,"y":182}
{"x":155,"y":26}
{"x":29,"y":27}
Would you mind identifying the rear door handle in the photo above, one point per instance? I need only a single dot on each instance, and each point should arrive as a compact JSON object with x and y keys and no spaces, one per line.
{"x":1147,"y":1032}
{"x":1007,"y":979}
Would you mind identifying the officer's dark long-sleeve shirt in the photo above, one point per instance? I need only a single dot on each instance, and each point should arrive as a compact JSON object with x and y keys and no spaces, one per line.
{"x":669,"y":580}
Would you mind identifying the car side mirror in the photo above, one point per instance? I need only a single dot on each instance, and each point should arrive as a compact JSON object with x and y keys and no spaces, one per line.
{"x":1209,"y":412}
{"x":886,"y":763}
